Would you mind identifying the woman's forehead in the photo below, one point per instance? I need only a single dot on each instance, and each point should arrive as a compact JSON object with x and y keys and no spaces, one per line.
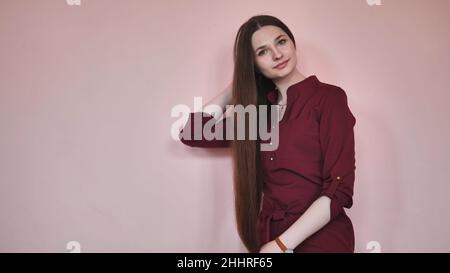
{"x":266,"y":35}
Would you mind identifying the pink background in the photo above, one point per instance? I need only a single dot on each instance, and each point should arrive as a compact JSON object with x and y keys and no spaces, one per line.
{"x":86,"y":93}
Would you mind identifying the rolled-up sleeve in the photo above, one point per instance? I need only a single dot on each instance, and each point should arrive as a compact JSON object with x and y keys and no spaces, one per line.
{"x":188,"y":135}
{"x":338,"y":151}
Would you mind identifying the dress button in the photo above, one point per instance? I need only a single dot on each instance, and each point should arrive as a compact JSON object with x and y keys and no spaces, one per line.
{"x":338,"y":178}
{"x":271,"y":158}
{"x":270,"y":143}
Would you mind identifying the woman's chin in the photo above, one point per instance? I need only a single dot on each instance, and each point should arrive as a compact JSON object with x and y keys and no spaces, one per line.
{"x":282,"y":73}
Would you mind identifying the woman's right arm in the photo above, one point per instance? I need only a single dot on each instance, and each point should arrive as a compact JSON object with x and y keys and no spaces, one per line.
{"x":187,"y":136}
{"x":223,"y":99}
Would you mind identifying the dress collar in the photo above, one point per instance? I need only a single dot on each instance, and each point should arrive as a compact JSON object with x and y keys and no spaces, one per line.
{"x":272,"y":95}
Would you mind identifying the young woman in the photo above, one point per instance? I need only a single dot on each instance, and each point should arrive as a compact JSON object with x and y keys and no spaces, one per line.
{"x":290,"y":199}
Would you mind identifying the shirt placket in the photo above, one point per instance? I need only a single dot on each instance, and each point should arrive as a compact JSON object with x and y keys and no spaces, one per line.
{"x":273,"y":155}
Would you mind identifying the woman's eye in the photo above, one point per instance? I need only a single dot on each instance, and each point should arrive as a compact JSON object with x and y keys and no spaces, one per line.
{"x":282,"y":41}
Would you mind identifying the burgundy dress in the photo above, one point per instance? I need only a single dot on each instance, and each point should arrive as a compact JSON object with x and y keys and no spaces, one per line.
{"x":315,"y":157}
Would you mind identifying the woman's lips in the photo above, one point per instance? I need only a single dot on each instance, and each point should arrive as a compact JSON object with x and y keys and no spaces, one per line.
{"x":282,"y":65}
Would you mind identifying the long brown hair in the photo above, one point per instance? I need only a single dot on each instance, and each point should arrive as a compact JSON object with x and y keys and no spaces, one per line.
{"x":250,"y":87}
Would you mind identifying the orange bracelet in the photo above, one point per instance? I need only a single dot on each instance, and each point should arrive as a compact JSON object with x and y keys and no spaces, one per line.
{"x":280,"y":244}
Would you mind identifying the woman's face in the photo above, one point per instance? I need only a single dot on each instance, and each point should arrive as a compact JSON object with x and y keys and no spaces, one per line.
{"x":272,"y":46}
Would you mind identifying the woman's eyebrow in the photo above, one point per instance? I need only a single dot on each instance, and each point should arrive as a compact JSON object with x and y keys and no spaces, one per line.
{"x":263,"y":46}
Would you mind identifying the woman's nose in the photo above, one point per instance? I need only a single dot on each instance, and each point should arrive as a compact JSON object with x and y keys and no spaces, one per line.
{"x":277,"y":54}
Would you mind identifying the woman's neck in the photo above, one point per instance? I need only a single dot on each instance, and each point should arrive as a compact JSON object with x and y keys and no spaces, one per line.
{"x":284,"y":83}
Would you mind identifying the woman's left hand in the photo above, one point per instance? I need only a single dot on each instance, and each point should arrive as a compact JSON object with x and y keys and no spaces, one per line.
{"x":270,"y":247}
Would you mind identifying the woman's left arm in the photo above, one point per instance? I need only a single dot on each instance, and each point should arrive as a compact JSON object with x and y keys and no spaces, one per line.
{"x":312,"y":220}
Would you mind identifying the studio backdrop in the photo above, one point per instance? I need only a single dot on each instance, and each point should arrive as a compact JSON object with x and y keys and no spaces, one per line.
{"x":88,"y":161}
